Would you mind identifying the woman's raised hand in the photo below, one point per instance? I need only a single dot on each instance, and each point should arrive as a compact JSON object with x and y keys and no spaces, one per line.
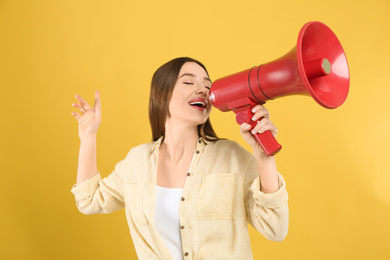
{"x":90,"y":118}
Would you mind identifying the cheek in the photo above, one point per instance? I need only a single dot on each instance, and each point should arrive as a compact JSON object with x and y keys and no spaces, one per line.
{"x":178,"y":97}
{"x":176,"y":104}
{"x":209,"y":109}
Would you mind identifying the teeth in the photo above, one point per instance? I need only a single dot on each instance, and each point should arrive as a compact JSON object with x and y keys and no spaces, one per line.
{"x":198,"y":103}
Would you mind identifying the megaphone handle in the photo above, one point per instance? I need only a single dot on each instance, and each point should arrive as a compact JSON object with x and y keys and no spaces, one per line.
{"x":267,"y":140}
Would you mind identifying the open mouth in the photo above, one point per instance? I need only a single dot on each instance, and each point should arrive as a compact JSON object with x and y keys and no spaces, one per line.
{"x":199,"y":104}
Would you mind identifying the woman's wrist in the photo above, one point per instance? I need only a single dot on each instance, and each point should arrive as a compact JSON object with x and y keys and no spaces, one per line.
{"x":259,"y":153}
{"x":88,"y":137}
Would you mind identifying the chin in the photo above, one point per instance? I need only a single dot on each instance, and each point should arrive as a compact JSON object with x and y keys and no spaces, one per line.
{"x":200,"y":121}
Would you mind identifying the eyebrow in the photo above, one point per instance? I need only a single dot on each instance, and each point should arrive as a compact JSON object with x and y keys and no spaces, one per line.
{"x":193,"y":75}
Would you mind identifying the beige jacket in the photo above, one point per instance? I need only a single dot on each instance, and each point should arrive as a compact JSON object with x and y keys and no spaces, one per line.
{"x":220,"y":196}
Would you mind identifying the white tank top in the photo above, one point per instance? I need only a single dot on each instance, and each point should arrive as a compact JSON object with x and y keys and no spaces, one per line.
{"x":167,"y":219}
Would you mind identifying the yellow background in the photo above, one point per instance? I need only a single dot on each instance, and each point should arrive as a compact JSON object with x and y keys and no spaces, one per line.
{"x":336,"y":162}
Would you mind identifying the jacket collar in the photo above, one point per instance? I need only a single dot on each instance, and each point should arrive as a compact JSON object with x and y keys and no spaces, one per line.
{"x":157,"y":143}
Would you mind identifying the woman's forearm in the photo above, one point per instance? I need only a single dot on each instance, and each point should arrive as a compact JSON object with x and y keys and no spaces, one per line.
{"x":269,"y":179}
{"x":87,"y":165}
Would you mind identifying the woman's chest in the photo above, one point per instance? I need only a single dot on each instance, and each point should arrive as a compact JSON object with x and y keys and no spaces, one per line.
{"x":172,"y":174}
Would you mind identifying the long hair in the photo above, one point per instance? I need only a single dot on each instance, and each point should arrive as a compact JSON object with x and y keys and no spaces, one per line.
{"x":163,"y":83}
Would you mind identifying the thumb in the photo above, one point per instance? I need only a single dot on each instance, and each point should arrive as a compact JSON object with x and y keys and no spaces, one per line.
{"x":97,"y":100}
{"x":245,"y":127}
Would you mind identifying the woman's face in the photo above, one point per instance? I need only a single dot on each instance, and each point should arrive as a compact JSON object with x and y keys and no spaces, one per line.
{"x":190,"y":98}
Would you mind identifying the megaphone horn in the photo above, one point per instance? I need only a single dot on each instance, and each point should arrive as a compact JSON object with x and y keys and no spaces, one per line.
{"x":316,"y":66}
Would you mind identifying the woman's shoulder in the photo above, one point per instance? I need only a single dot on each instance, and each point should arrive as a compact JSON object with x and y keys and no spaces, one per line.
{"x":141,"y":149}
{"x":226,"y":143}
{"x":229,"y":146}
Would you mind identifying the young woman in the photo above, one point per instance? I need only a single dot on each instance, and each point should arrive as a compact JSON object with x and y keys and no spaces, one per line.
{"x":187,"y":194}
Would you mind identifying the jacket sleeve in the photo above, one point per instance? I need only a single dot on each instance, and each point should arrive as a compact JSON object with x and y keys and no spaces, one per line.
{"x":267,"y":213}
{"x":97,"y":195}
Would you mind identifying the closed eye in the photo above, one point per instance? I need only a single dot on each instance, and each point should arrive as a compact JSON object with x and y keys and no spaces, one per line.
{"x":188,"y":83}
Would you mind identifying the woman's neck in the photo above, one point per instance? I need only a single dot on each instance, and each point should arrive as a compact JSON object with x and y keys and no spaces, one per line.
{"x":179,"y":140}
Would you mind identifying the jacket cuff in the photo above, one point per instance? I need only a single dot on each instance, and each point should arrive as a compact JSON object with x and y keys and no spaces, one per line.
{"x":270,"y":200}
{"x":86,"y":189}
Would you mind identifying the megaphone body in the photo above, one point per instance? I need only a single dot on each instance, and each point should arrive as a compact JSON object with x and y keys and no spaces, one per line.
{"x":317,"y":67}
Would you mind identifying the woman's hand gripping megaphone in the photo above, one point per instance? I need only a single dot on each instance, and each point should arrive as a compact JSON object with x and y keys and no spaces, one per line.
{"x":257,"y":129}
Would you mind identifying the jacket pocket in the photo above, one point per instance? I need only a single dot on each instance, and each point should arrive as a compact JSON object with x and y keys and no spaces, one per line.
{"x":133,"y":200}
{"x":216,"y":196}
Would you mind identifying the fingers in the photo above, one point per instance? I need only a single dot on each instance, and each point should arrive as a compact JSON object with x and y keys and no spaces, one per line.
{"x":264,"y":125}
{"x":83,"y":103}
{"x":76,"y":115}
{"x":84,"y":106}
{"x":259,"y":112}
{"x":77,"y":105}
{"x":261,"y":115}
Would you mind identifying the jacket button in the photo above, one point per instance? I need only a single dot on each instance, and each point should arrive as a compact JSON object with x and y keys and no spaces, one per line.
{"x":183,"y":199}
{"x":182,"y":227}
{"x":186,"y":254}
{"x":188,"y":174}
{"x":197,"y":151}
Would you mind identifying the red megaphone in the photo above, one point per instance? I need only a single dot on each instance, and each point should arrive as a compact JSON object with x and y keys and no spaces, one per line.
{"x":316,"y":66}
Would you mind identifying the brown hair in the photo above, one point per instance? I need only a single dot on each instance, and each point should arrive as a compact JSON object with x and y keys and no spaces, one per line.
{"x":163,"y":83}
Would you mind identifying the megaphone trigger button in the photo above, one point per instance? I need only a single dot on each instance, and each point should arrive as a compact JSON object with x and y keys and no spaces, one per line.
{"x":240,"y":118}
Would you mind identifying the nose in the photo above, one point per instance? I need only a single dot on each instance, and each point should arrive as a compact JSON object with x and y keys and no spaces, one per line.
{"x":202,"y":90}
